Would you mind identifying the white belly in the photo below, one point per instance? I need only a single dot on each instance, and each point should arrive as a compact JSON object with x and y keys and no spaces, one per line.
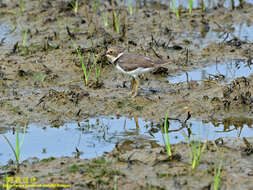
{"x":135,"y":72}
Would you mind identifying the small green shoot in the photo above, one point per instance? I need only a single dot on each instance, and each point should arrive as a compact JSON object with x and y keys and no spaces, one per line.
{"x":166,"y":126}
{"x":18,"y":144}
{"x":175,"y":10}
{"x":196,"y":151}
{"x":74,"y":6}
{"x":115,"y":183}
{"x":86,"y":70}
{"x":116,"y":21}
{"x":41,"y":1}
{"x":24,"y":36}
{"x":130,"y":7}
{"x":40,"y":77}
{"x":217,"y":177}
{"x":95,"y":6}
{"x":105,"y":17}
{"x":59,"y":23}
{"x":203,"y":7}
{"x":190,"y":6}
{"x":21,"y":6}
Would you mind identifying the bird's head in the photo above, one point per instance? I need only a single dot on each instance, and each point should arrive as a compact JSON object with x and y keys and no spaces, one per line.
{"x":113,"y":53}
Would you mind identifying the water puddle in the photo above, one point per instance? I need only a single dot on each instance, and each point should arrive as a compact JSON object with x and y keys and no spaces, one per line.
{"x":95,"y":136}
{"x":225,"y":72}
{"x":185,"y":3}
{"x":8,"y":36}
{"x":217,"y":34}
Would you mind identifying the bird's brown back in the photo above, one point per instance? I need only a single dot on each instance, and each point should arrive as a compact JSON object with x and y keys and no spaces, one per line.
{"x":131,"y":61}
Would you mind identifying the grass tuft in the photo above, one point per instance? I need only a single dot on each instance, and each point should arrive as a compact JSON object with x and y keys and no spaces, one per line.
{"x":86,"y":70}
{"x":190,"y":6}
{"x":217,"y":176}
{"x":116,"y":21}
{"x":18,"y":145}
{"x":196,"y":152}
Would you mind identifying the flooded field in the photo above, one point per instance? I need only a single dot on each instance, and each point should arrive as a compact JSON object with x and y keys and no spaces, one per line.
{"x":69,"y":122}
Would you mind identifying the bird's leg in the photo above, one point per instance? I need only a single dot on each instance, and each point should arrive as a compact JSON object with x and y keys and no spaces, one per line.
{"x":132,"y":86}
{"x":136,"y":87}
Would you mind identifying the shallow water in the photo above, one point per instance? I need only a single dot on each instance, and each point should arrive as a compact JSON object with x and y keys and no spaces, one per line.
{"x":230,"y":70}
{"x":95,"y":136}
{"x":185,"y":3}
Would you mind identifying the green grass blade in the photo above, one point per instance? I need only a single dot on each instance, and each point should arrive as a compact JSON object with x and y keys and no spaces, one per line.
{"x":23,"y":138}
{"x":167,"y":136}
{"x":17,"y":144}
{"x":190,"y":6}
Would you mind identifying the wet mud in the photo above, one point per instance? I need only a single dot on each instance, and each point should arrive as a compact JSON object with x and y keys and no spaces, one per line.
{"x":42,"y":82}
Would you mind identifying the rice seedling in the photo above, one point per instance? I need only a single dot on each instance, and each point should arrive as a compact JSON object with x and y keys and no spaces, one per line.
{"x":116,"y":21}
{"x":203,"y":7}
{"x":24,"y":36}
{"x":21,"y":6}
{"x":190,"y":6}
{"x":74,"y":6}
{"x":86,"y":70}
{"x":115,"y":183}
{"x":217,"y":177}
{"x":165,"y":127}
{"x":175,"y":10}
{"x":105,"y":17}
{"x":130,"y":7}
{"x":40,"y":77}
{"x":95,"y":6}
{"x":137,"y":6}
{"x":19,"y":145}
{"x":196,"y":151}
{"x":59,"y":23}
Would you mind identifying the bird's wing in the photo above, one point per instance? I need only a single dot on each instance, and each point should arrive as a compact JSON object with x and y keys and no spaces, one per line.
{"x":130,"y":62}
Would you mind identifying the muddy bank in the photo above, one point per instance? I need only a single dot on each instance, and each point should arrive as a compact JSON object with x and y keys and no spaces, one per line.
{"x":124,"y":168}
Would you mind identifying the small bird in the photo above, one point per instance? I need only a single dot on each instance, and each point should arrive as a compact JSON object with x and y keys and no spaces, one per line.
{"x":132,"y":64}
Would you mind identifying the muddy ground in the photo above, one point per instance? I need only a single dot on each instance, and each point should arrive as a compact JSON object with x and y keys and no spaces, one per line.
{"x":42,"y":82}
